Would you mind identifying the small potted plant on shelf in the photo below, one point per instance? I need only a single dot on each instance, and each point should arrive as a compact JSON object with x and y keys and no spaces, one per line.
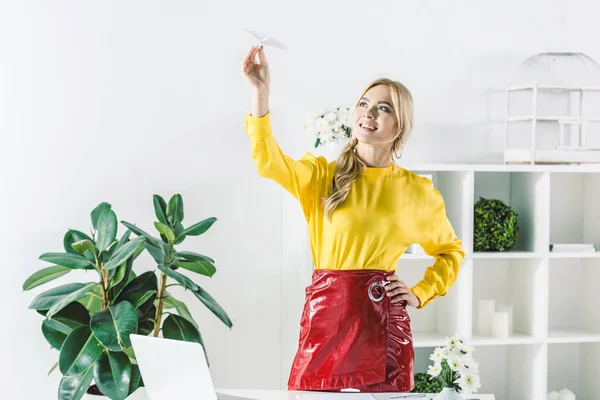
{"x":89,"y":323}
{"x":455,"y":366}
{"x":496,"y":226}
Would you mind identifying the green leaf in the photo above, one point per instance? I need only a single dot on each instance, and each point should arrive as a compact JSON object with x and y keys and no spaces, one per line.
{"x":183,"y":280}
{"x":52,"y":336}
{"x":117,"y":287}
{"x":107,"y":229}
{"x":190,"y":256}
{"x":179,"y":328}
{"x":123,"y":253}
{"x":45,"y":275}
{"x":73,"y":236}
{"x":92,"y":300}
{"x":175,"y":209}
{"x":212,"y":305}
{"x":113,"y":326}
{"x":71,"y":317}
{"x":81,"y":246}
{"x":69,"y":298}
{"x":73,"y":387}
{"x":138,"y":286}
{"x":53,"y":368}
{"x":179,"y":235}
{"x":97,"y":212}
{"x":112,"y":374}
{"x":73,"y":261}
{"x":143,"y":299}
{"x":200,"y":267}
{"x":136,"y":378}
{"x":119,"y":274}
{"x":157,"y":253}
{"x":45,"y":300}
{"x":165,"y":230}
{"x":79,"y":351}
{"x":200,"y":227}
{"x":160,"y":208}
{"x":151,"y":239}
{"x":181,"y":307}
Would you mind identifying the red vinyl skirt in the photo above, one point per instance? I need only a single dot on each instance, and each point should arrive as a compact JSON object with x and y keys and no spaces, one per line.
{"x":352,"y":336}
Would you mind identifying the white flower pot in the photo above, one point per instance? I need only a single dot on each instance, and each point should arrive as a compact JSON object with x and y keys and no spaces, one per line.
{"x":448,"y":394}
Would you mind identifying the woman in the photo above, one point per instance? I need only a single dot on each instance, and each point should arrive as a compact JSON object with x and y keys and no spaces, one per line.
{"x":362,"y":212}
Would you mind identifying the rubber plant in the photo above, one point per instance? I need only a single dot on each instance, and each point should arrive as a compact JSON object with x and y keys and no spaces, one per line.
{"x":89,"y":323}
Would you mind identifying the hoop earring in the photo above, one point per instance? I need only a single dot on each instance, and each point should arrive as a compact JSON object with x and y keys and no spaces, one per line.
{"x":401,"y":149}
{"x":354,"y":143}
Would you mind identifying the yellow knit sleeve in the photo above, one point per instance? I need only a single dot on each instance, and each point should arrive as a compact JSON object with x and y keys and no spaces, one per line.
{"x":441,"y":242}
{"x":295,"y":176}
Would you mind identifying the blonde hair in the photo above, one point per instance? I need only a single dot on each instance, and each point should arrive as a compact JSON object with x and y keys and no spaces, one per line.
{"x":349,"y":167}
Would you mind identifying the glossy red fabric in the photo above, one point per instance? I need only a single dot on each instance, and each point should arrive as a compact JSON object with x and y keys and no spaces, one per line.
{"x":349,"y":340}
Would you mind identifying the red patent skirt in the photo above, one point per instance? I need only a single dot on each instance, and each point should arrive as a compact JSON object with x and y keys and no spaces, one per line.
{"x":352,"y":336}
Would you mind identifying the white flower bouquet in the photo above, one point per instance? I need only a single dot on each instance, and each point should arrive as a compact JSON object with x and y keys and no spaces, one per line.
{"x":329,"y":125}
{"x":455,"y":365}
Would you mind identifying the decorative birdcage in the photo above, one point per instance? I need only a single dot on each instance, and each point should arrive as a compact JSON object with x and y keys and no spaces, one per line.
{"x":553,"y":111}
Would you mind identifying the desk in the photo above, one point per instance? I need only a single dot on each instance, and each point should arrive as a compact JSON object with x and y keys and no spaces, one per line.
{"x":140,"y":394}
{"x":291,"y":395}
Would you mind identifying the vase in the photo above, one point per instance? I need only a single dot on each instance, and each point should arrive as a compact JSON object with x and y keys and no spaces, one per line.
{"x":448,"y":394}
{"x":87,"y":396}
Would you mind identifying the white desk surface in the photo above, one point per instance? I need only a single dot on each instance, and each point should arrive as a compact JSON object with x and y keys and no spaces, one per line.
{"x":140,"y":394}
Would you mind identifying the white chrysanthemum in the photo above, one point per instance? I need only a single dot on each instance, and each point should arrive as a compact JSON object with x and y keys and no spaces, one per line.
{"x":469,"y":382}
{"x":454,"y":362}
{"x":470,"y":365}
{"x":438,"y":355}
{"x":434,"y":370}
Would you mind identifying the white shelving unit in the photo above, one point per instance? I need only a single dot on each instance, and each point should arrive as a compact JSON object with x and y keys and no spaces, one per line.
{"x":555,"y":296}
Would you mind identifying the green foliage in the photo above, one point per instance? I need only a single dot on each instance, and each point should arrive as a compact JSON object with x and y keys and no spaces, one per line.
{"x":423,"y":383}
{"x":496,"y":226}
{"x":90,"y":323}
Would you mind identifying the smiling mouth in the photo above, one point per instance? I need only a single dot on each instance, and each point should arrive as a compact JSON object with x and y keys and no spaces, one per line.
{"x":367,"y":127}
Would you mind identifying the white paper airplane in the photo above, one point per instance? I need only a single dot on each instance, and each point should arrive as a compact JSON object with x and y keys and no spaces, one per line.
{"x":265,"y":40}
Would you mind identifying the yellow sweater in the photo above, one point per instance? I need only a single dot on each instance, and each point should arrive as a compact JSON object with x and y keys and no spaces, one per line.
{"x":386,"y":210}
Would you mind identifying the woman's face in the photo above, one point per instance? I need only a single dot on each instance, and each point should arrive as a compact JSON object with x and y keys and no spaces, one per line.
{"x":374,"y":119}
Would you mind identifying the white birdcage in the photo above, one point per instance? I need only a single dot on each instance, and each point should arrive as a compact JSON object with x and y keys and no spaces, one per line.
{"x":553,"y":111}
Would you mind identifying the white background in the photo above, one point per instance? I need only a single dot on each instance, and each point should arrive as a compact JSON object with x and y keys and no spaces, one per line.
{"x":118,"y":100}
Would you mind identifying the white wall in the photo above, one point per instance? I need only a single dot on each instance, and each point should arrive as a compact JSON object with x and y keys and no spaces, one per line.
{"x":115,"y":101}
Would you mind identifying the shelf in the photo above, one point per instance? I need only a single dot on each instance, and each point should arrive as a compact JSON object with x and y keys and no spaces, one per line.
{"x":409,"y":256}
{"x":576,"y":367}
{"x":574,"y":211}
{"x":573,"y":336}
{"x":527,"y":194}
{"x":574,"y":300}
{"x":524,"y":118}
{"x":516,"y":282}
{"x":515,"y":338}
{"x":575,"y":254}
{"x":507,"y":255}
{"x":563,"y":168}
{"x":429,"y":339}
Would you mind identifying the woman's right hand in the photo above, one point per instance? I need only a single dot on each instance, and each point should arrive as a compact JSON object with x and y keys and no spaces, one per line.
{"x":257,"y":74}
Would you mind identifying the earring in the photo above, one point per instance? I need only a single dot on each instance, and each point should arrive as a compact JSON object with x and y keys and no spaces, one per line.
{"x":354,"y":143}
{"x":401,"y":149}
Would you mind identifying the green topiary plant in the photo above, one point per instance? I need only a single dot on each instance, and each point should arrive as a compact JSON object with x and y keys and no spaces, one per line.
{"x":90,"y":323}
{"x":496,"y":226}
{"x":426,"y":384}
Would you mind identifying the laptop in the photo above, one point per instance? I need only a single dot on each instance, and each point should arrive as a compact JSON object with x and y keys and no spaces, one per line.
{"x":174,"y":369}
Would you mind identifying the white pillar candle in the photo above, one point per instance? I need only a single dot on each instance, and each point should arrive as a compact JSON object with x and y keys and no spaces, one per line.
{"x":553,"y":395}
{"x":500,"y":325}
{"x":485,"y":313}
{"x":566,"y":394}
{"x":509,"y":309}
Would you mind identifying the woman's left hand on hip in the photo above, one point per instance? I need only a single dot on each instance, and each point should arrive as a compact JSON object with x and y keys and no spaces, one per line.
{"x":398,"y":291}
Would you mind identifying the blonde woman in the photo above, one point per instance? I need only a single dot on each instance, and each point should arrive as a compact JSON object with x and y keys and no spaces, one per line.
{"x":362,"y":211}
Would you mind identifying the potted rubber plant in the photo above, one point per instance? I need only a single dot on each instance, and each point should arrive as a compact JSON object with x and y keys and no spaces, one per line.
{"x":89,"y":323}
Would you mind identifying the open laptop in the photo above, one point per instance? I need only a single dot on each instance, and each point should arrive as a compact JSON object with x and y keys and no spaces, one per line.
{"x":174,"y":369}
